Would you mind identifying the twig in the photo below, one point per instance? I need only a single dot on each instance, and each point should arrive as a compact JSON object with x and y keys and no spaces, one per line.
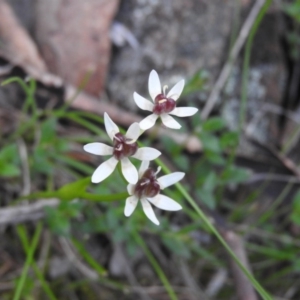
{"x":129,"y":273}
{"x":196,"y":291}
{"x":288,"y":163}
{"x":25,"y":167}
{"x":4,"y":70}
{"x":245,"y":290}
{"x":44,"y":252}
{"x":25,"y":213}
{"x":73,"y":258}
{"x":160,"y":289}
{"x":273,"y":177}
{"x":276,"y":109}
{"x":216,"y":283}
{"x":86,"y":102}
{"x":6,"y":263}
{"x":250,"y":231}
{"x":220,"y":83}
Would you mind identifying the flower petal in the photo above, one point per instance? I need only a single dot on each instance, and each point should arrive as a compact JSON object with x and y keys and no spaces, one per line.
{"x":176,"y":90}
{"x":98,"y":149}
{"x":110,"y":126}
{"x":148,"y":122}
{"x":170,"y":179}
{"x":148,"y":210}
{"x":169,"y":121}
{"x":130,"y":205}
{"x":129,"y":171}
{"x":184,"y":111}
{"x":165,"y":203}
{"x":104,"y":170}
{"x":130,"y":188}
{"x":142,"y":102}
{"x":146,"y":153}
{"x":154,"y":85}
{"x":133,"y":132}
{"x":144,"y":166}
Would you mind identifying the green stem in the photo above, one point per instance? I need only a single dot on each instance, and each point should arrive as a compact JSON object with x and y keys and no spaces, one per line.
{"x":155,"y":266}
{"x":119,"y":167}
{"x":82,"y":85}
{"x":88,"y":258}
{"x":19,"y":81}
{"x":104,"y":198}
{"x":28,"y":262}
{"x":83,"y":195}
{"x":246,"y":62}
{"x":26,"y":246}
{"x":211,"y":227}
{"x":271,"y":208}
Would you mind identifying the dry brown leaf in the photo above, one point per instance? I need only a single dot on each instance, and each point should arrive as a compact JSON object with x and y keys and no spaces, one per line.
{"x":19,"y":49}
{"x":74,"y":39}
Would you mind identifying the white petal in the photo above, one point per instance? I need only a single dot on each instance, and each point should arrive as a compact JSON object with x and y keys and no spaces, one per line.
{"x":142,"y":102}
{"x":146,"y":153}
{"x":184,"y":111}
{"x":176,"y":90}
{"x":133,"y":132}
{"x":165,"y":203}
{"x":98,"y":149}
{"x":130,"y":205}
{"x":154,"y":85}
{"x":129,"y":171}
{"x":148,"y":122}
{"x":170,"y":179}
{"x":110,"y":126}
{"x":104,"y":170}
{"x":148,"y":210}
{"x":144,"y":166}
{"x":130,"y":188}
{"x":169,"y":121}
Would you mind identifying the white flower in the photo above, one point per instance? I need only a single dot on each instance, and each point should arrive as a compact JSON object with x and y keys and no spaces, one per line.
{"x":163,"y":104}
{"x":147,"y":190}
{"x":123,"y":147}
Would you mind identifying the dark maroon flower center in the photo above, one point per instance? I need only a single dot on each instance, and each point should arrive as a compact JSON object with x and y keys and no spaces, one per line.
{"x":148,"y":185}
{"x":163,"y":105}
{"x":123,"y":147}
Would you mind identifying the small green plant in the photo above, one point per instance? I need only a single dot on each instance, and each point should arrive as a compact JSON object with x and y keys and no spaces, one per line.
{"x":295,"y":215}
{"x":293,"y":9}
{"x":9,"y":161}
{"x":59,"y":219}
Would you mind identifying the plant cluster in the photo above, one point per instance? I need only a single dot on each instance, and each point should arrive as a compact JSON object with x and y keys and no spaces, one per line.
{"x":143,"y":184}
